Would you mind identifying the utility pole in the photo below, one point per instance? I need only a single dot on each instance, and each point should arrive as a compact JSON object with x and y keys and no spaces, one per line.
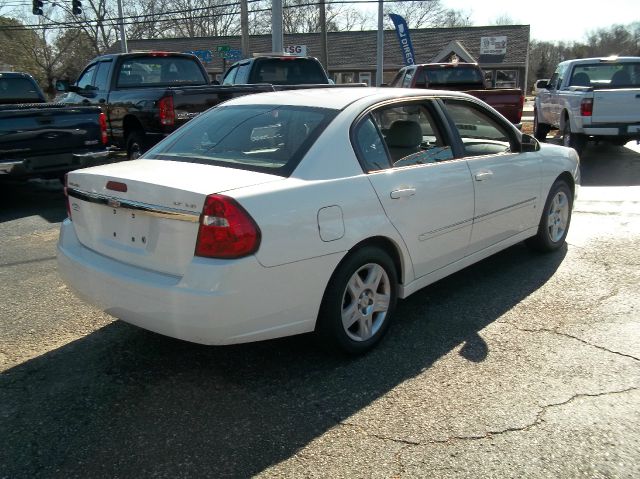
{"x":324,"y":53}
{"x":123,"y":36}
{"x":380,"y":55}
{"x":244,"y":29}
{"x":276,"y":26}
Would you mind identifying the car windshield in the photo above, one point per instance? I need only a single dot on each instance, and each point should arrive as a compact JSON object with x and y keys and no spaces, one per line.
{"x":18,"y":90}
{"x":160,"y":70}
{"x":607,"y":75}
{"x":264,"y":138}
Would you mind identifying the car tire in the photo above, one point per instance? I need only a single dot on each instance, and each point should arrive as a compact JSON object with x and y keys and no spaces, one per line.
{"x":555,"y":220}
{"x":540,"y":130}
{"x":576,"y":141}
{"x":359,"y":302}
{"x":135,"y":145}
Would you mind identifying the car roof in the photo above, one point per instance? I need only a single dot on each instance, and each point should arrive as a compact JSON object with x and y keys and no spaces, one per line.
{"x":15,"y":75}
{"x":337,"y":98}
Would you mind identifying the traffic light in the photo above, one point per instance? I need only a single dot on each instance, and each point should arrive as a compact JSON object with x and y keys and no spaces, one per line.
{"x":76,"y":7}
{"x":37,"y":7}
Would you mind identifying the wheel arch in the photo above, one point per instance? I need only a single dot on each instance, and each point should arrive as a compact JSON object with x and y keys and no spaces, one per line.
{"x":569,"y":180}
{"x":129,"y":124}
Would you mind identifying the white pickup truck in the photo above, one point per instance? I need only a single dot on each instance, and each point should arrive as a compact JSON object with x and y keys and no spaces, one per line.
{"x":597,"y":98}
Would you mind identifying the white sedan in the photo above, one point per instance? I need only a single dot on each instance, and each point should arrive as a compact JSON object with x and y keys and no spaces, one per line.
{"x":311,"y":210}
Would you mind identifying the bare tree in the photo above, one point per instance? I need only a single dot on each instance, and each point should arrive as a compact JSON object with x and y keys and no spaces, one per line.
{"x":425,"y":14}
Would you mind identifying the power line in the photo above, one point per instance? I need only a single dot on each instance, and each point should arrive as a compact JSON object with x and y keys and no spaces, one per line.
{"x":114,"y":22}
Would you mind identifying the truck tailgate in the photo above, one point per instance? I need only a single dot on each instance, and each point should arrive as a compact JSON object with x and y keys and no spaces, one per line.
{"x":509,"y":102}
{"x":616,"y":106}
{"x":33,"y":130}
{"x":190,"y":102}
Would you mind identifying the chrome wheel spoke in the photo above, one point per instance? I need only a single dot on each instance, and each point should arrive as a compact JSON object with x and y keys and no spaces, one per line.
{"x":350,"y":315}
{"x":366,"y":330}
{"x":381,"y":303}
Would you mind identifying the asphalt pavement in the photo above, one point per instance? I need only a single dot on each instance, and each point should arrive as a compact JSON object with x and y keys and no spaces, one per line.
{"x":524,"y":365}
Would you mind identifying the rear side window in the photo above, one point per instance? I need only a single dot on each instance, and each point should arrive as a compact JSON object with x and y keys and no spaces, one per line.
{"x":160,"y":71}
{"x":265,"y":138}
{"x":20,"y":90}
{"x":287,"y":71}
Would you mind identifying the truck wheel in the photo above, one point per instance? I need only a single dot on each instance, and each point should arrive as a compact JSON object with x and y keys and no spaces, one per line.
{"x":135,"y":145}
{"x":576,"y":141}
{"x":540,"y":130}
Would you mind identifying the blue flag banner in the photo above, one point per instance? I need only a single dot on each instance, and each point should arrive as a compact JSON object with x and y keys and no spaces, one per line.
{"x":402,"y":30}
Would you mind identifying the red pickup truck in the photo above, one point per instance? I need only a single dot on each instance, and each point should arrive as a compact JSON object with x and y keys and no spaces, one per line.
{"x":465,"y":77}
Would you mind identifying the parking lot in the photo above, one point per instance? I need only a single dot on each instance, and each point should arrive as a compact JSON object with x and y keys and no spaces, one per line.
{"x":520,"y":366}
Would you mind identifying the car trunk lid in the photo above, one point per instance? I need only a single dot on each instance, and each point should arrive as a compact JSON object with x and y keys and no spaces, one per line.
{"x":146,"y":212}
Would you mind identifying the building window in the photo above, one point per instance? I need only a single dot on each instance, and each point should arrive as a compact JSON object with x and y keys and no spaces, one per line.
{"x":506,"y":78}
{"x":488,"y":78}
{"x":365,"y":77}
{"x":345,"y":77}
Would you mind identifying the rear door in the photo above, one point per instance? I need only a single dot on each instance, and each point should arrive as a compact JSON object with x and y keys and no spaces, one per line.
{"x":426,"y":193}
{"x":506,"y":182}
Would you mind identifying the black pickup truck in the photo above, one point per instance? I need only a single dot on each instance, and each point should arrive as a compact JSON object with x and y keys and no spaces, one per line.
{"x":148,"y":95}
{"x":45,"y":140}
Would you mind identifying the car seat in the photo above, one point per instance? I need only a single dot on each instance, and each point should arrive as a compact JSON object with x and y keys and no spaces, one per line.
{"x":403,"y":139}
{"x":580,"y":79}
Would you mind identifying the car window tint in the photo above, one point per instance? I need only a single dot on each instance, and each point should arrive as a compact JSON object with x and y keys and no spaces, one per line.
{"x":480,"y":133}
{"x":406,"y":83}
{"x":287,"y":71}
{"x":370,"y":147}
{"x":229,"y":78}
{"x":101,"y":76}
{"x":268,"y":138}
{"x":411,"y":135}
{"x":20,"y":89}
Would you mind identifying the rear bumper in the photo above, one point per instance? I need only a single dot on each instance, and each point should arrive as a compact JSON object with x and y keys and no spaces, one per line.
{"x":215,"y":302}
{"x":51,"y":165}
{"x":613,"y":130}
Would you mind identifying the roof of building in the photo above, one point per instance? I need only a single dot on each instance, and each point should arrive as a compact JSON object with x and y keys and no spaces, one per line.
{"x":357,"y":49}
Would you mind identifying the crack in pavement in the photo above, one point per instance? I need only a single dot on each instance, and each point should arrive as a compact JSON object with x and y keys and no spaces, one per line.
{"x":489,"y":434}
{"x":570,"y":336}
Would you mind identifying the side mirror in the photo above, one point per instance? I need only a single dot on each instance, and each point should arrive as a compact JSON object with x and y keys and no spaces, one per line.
{"x":529,"y":144}
{"x":62,"y":86}
{"x":543,"y":84}
{"x":215,"y":82}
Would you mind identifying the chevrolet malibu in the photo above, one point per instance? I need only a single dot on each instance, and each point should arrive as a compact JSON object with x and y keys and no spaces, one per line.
{"x":312,"y":210}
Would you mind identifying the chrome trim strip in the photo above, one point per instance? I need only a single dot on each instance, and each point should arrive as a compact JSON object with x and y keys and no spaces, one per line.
{"x":462,"y":224}
{"x":444,"y":230}
{"x":151,"y":210}
{"x":516,"y":206}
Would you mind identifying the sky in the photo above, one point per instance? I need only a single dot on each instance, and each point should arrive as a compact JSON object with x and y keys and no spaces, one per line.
{"x":552,"y":20}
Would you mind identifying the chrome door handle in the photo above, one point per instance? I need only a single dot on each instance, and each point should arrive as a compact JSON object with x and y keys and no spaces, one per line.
{"x":403,"y":193}
{"x":483,"y":175}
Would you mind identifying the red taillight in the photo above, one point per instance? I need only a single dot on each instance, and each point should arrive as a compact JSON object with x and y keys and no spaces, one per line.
{"x":226,"y":230}
{"x":102,"y":119}
{"x":166,"y":111}
{"x":66,"y":194}
{"x":586,"y":107}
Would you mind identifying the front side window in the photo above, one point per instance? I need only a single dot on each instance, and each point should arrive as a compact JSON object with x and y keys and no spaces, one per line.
{"x":230,"y":77}
{"x":84,"y":82}
{"x":480,"y":133}
{"x":406,"y":82}
{"x":264,"y":138}
{"x":101,"y":76}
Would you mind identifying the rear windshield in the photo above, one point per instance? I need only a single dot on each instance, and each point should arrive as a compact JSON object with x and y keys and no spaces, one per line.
{"x":19,"y":90}
{"x":288,"y":71}
{"x":606,"y":75}
{"x":264,"y":138}
{"x":160,"y":71}
{"x":450,"y":75}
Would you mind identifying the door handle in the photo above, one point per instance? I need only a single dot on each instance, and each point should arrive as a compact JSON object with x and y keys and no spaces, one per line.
{"x":483,"y":175}
{"x":403,"y":193}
